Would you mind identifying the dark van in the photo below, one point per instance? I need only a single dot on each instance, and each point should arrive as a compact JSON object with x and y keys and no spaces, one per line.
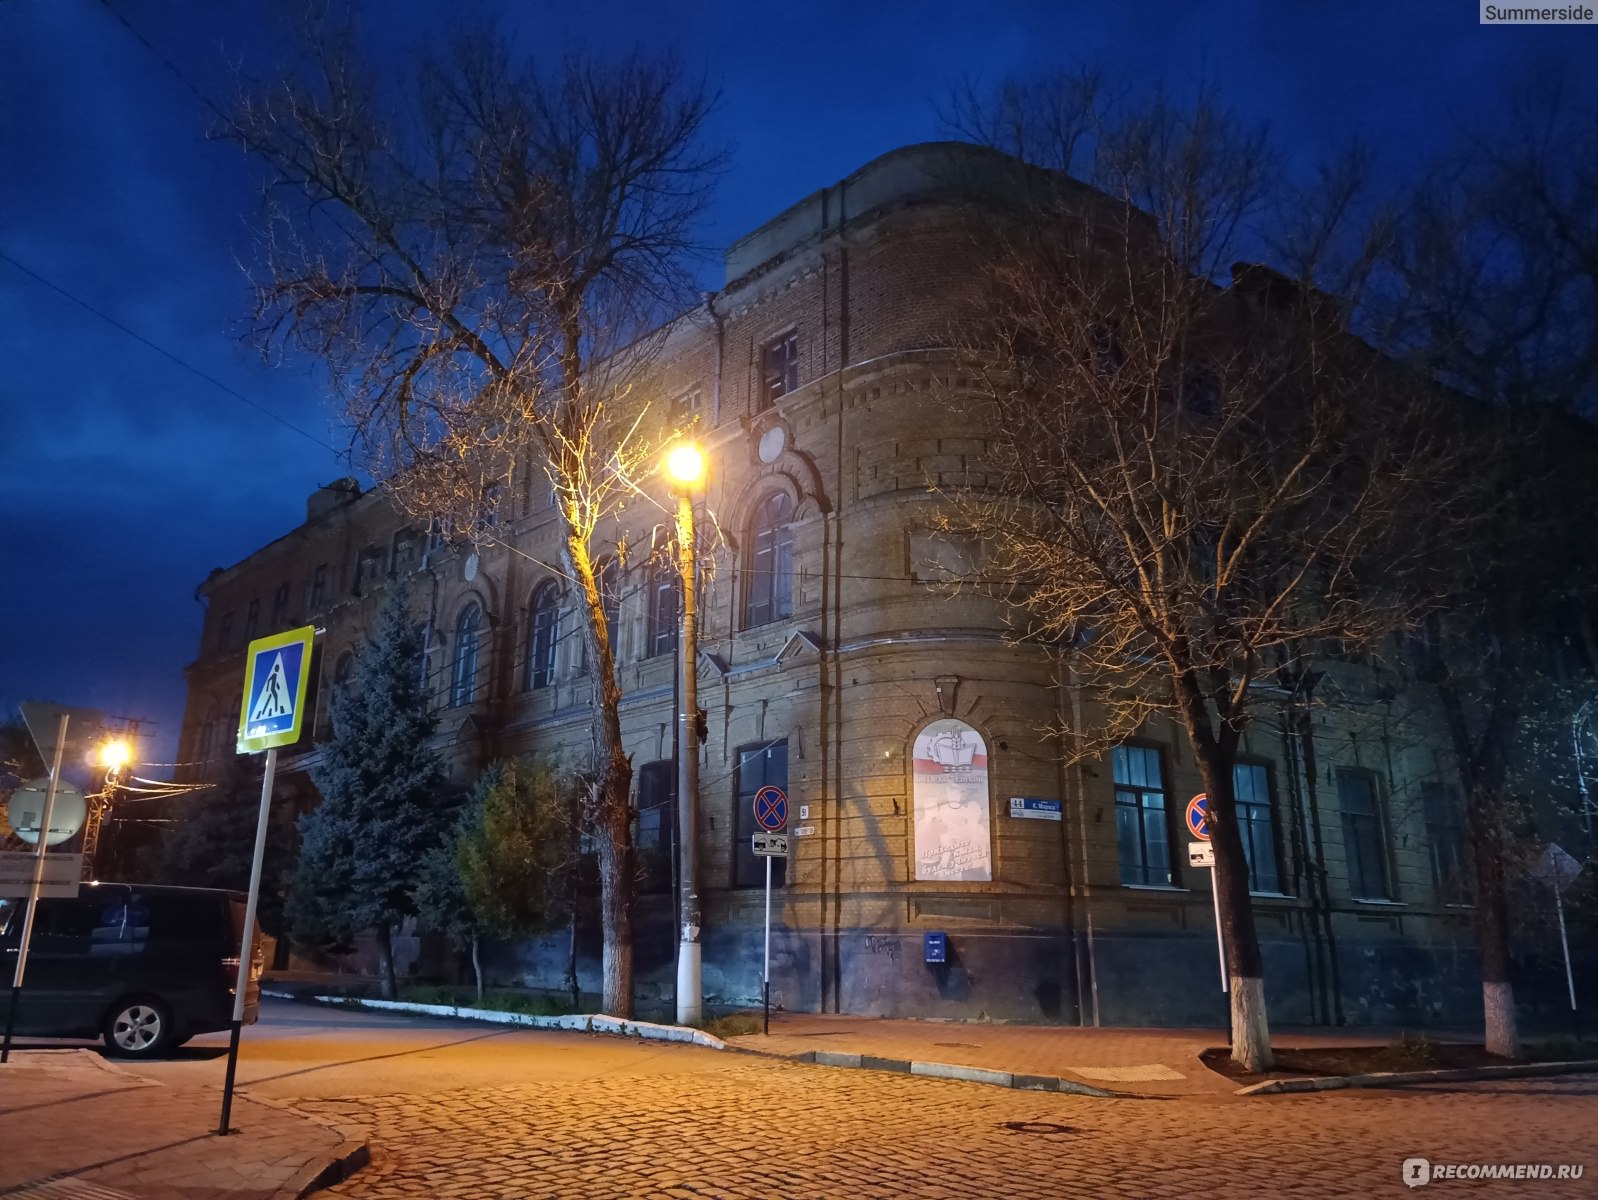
{"x":145,"y":967}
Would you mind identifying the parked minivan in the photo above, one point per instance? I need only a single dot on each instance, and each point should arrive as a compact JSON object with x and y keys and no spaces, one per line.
{"x":146,"y":967}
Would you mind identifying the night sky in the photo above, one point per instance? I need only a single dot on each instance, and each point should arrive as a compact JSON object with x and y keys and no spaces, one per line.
{"x":127,"y":477}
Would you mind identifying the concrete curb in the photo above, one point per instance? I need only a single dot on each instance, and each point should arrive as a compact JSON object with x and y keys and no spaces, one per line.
{"x":576,"y":1023}
{"x":934,"y":1070}
{"x":357,"y":1151}
{"x":1329,"y":1083}
{"x":596,"y":1023}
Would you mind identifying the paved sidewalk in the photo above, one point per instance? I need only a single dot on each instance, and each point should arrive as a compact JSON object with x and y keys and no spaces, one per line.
{"x":73,"y":1124}
{"x":1152,"y":1062}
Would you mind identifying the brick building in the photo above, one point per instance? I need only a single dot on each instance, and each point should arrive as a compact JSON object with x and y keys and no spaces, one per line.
{"x":905,"y":728}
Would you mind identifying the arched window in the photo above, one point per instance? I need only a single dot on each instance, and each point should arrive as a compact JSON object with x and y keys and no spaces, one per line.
{"x":542,"y":623}
{"x":664,"y":588}
{"x":466,"y":632}
{"x":768,"y":590}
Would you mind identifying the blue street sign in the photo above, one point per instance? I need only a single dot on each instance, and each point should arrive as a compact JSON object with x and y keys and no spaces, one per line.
{"x":276,"y":672}
{"x":771,"y":808}
{"x":935,"y":947}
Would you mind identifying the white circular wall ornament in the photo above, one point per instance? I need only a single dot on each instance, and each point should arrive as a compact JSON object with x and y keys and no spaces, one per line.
{"x":771,"y":443}
{"x":469,"y":567}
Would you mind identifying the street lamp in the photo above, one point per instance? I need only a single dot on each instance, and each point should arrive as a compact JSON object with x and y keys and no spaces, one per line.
{"x":115,"y":754}
{"x":685,"y":465}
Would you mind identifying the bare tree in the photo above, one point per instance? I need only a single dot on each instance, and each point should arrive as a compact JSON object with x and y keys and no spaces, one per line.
{"x":1193,"y":465}
{"x":479,"y":251}
{"x":1497,"y":264}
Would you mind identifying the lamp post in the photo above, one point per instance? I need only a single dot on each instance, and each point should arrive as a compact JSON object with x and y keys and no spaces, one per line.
{"x":685,"y":464}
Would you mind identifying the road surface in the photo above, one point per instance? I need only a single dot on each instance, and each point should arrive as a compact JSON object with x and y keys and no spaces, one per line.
{"x":457,"y":1110}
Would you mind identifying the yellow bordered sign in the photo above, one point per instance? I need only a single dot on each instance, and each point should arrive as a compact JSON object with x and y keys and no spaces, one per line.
{"x":276,"y":672}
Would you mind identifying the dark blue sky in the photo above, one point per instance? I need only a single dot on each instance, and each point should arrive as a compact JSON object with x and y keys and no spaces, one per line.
{"x":126,"y":478}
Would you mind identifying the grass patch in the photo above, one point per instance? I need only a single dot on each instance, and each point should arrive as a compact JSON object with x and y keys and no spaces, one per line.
{"x":1412,"y":1052}
{"x":733,"y":1025}
{"x":516,"y":1000}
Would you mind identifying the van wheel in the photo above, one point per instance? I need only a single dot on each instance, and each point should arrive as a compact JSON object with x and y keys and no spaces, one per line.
{"x":140,"y":1027}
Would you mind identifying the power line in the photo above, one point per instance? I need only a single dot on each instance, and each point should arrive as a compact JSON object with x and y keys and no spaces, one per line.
{"x":164,"y":352}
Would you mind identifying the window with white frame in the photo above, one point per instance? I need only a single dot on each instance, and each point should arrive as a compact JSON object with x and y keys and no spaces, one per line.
{"x":1142,"y":826}
{"x":467,"y":631}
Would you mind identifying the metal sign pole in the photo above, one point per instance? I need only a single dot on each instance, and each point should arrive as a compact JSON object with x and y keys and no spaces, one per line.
{"x":33,"y":890}
{"x":765,"y":973}
{"x":247,"y":940}
{"x":1564,"y":941}
{"x":1220,"y":942}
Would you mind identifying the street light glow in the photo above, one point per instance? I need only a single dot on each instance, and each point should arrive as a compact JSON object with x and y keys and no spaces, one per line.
{"x":115,"y":754}
{"x":685,"y":463}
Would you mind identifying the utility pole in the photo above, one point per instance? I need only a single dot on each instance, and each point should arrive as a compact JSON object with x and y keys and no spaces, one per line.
{"x":685,"y":464}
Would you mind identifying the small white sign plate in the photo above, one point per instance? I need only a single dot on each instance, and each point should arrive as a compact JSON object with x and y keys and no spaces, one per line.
{"x":61,"y":874}
{"x":804,"y":831}
{"x":1200,"y":854}
{"x":770,"y":845}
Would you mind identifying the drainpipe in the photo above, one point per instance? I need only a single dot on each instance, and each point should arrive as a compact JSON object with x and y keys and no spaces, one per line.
{"x":1082,"y":835}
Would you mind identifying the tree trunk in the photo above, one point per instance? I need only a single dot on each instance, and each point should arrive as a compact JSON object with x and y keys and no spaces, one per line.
{"x":616,"y":916}
{"x":477,"y":966}
{"x":571,"y":960}
{"x":610,"y":813}
{"x":388,"y":984}
{"x":1492,"y":922}
{"x":1251,"y":1035}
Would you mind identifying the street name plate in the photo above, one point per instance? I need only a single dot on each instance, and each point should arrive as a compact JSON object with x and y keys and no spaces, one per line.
{"x":1027,"y":808}
{"x":804,"y":831}
{"x":770,"y":845}
{"x":61,"y":874}
{"x":1200,"y":854}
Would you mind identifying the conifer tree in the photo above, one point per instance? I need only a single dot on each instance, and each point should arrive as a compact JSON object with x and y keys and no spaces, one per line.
{"x":385,"y":802}
{"x":212,"y":841}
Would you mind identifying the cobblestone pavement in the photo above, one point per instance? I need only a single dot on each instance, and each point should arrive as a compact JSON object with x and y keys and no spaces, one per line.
{"x":766,"y":1128}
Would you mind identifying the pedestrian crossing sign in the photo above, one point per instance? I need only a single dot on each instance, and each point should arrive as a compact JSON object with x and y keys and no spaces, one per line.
{"x":276,"y":671}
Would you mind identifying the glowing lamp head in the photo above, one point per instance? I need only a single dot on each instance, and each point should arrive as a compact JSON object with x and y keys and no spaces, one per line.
{"x":114,"y":755}
{"x":685,"y":463}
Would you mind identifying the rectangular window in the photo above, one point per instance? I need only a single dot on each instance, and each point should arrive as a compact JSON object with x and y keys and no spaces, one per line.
{"x":368,"y":569}
{"x":1142,"y":831}
{"x":435,"y":538}
{"x":402,"y":553}
{"x":252,"y":620}
{"x":762,"y":765}
{"x":1445,"y":834}
{"x":280,"y":606}
{"x":664,"y":589}
{"x":318,"y":588}
{"x":224,"y":636}
{"x":1364,"y":840}
{"x":1256,"y":821}
{"x":779,"y":361}
{"x":657,"y":825}
{"x":685,"y":406}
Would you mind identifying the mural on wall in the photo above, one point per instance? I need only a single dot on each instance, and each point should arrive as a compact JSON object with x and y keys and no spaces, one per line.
{"x":950,"y":791}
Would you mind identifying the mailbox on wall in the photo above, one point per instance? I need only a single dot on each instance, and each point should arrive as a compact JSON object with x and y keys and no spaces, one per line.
{"x":935,"y":947}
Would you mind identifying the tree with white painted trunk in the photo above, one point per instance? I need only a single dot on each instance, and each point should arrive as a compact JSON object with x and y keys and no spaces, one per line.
{"x":483,"y":252}
{"x":1496,"y":259}
{"x":1192,"y":464}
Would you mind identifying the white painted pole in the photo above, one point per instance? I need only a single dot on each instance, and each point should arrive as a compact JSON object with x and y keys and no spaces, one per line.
{"x":247,"y":939}
{"x":37,"y":885}
{"x":1564,"y":941}
{"x":34,"y":888}
{"x":690,"y":989}
{"x":765,"y":971}
{"x":1220,"y":942}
